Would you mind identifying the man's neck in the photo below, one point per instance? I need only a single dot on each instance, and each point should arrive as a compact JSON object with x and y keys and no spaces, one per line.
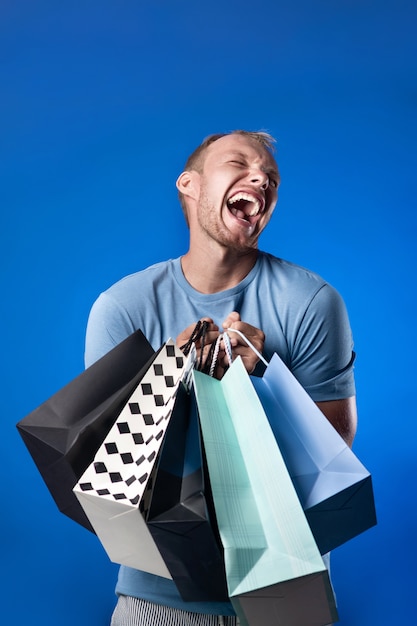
{"x":210,"y":272}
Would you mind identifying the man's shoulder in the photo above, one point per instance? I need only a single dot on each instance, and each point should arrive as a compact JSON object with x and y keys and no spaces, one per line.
{"x":145,"y":277}
{"x":289,"y":272}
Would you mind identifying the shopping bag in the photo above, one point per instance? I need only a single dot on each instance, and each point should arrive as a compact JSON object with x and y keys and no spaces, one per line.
{"x":334,"y":488}
{"x":274,"y":570}
{"x":112,"y":488}
{"x":180,"y":514}
{"x":64,"y":433}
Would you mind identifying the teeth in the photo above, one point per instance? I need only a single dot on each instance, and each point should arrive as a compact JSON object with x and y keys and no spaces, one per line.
{"x":246,"y":196}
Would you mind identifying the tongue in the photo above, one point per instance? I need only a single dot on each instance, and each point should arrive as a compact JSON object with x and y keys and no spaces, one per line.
{"x":239,"y":214}
{"x":239,"y":209}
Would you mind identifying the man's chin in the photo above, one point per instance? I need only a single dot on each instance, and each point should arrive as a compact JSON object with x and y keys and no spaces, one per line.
{"x":243,"y":240}
{"x":234,"y":238}
{"x":242,"y":246}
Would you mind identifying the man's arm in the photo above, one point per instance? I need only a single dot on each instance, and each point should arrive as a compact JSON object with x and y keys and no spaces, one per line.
{"x":342,"y":415}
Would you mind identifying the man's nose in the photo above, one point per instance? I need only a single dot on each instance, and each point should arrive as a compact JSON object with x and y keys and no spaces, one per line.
{"x":260,"y":178}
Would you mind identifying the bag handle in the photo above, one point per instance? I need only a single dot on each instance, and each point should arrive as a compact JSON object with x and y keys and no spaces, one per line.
{"x":199,"y":332}
{"x":228,"y":348}
{"x":258,"y":354}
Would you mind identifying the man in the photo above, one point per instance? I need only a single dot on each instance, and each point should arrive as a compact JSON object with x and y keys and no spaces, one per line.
{"x":228,"y":192}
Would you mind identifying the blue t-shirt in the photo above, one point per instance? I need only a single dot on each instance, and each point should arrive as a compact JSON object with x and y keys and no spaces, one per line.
{"x":304,"y":320}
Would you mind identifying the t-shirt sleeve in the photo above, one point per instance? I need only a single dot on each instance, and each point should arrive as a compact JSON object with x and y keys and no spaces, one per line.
{"x":323,"y":357}
{"x":108,"y":324}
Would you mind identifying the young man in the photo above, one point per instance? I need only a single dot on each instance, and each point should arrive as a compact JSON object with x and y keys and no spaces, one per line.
{"x":228,"y":192}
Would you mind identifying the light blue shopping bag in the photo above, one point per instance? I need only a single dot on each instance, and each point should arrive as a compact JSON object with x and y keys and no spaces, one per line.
{"x":334,"y":488}
{"x":274,"y":570}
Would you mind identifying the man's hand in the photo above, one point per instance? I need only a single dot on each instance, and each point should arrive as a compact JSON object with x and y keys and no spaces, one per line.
{"x":239,"y":346}
{"x":211,"y":335}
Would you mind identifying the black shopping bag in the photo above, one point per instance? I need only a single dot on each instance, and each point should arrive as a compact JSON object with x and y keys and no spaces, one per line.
{"x":64,"y":433}
{"x":180,"y":514}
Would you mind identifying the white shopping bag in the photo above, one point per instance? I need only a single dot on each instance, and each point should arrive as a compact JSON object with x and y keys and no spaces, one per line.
{"x":113,"y":489}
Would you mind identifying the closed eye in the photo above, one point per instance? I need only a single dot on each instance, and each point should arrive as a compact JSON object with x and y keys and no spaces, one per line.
{"x":274,"y":178}
{"x":240,"y":163}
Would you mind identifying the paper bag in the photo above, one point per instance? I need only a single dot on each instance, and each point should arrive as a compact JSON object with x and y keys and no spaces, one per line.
{"x":334,"y":488}
{"x":112,"y":489}
{"x":64,"y":433}
{"x":274,"y":570}
{"x":180,"y":516}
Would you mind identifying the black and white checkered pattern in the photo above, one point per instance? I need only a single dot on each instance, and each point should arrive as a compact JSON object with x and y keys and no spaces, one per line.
{"x":123,"y":464}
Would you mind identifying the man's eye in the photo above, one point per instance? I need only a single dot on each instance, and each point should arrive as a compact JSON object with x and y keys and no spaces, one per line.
{"x":240,"y":163}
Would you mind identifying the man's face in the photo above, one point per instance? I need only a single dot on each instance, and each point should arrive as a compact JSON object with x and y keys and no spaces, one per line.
{"x":238,"y":191}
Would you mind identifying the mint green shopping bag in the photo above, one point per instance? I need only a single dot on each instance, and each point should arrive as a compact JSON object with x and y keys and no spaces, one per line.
{"x":275,"y":574}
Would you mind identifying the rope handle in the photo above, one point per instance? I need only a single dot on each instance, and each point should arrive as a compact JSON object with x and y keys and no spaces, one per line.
{"x":228,"y":350}
{"x":199,"y":332}
{"x":196,"y":334}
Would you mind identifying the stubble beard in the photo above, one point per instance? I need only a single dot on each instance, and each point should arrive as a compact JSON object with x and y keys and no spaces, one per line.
{"x":212,"y":225}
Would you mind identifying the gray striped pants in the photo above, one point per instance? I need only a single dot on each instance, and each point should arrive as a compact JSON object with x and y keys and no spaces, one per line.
{"x":135,"y":612}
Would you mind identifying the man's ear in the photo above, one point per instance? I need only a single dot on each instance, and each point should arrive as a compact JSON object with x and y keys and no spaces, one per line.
{"x":188,"y":183}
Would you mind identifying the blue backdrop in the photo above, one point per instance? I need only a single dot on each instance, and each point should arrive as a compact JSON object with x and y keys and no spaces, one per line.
{"x":100,"y":104}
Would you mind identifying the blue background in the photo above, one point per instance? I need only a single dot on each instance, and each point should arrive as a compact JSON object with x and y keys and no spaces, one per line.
{"x":100,"y":104}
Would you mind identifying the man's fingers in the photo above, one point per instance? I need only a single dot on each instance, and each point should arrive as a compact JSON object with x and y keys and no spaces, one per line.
{"x":211,"y":332}
{"x":232,"y":318}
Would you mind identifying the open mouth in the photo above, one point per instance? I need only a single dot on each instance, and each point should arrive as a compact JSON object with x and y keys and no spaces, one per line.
{"x":244,"y":205}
